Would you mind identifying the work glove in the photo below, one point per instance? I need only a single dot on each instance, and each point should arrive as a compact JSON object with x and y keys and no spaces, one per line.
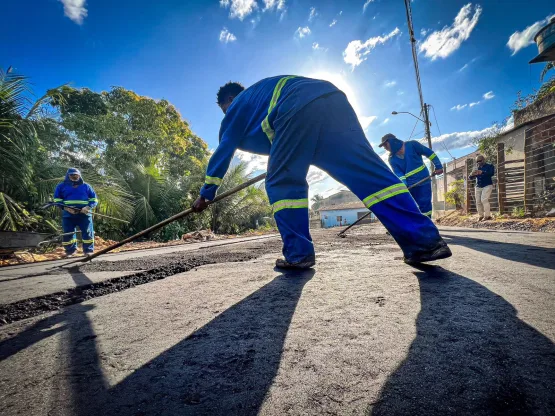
{"x":200,"y":204}
{"x":85,"y":210}
{"x":72,"y":211}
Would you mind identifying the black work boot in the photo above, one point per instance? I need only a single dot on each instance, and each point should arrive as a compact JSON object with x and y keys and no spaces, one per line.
{"x":306,"y":263}
{"x":441,"y":251}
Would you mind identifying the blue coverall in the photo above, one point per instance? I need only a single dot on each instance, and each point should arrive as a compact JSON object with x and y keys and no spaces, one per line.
{"x":298,"y":122}
{"x":76,"y":195}
{"x":411,"y":169}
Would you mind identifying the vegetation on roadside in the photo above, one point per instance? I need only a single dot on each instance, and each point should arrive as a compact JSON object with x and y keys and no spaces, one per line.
{"x":456,"y":194}
{"x":139,"y":154}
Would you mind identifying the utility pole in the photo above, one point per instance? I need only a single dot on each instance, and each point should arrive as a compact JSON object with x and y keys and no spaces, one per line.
{"x":423,"y":105}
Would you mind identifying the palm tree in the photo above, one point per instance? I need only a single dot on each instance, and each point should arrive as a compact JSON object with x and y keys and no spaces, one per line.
{"x":240,"y":211}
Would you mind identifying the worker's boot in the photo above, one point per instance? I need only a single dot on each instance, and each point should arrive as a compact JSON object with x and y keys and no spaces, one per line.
{"x":441,"y":251}
{"x":306,"y":263}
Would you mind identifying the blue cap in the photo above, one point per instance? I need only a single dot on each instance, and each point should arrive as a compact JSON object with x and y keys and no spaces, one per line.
{"x":73,"y":171}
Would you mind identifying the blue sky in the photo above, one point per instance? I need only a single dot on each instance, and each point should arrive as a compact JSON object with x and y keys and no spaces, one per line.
{"x":473,"y":56}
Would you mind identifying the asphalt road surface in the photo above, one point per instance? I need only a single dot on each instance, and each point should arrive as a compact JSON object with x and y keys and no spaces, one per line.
{"x":218,"y":331}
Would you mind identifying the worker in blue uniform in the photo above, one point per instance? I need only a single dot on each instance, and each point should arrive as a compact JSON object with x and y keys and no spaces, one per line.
{"x":299,"y":121}
{"x":406,"y":161}
{"x":78,"y":199}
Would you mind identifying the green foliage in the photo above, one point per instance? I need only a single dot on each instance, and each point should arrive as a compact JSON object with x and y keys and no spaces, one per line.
{"x":316,"y":202}
{"x":456,"y":194}
{"x":548,"y":67}
{"x":239,"y":212}
{"x":140,"y":156}
{"x":518,"y":212}
{"x":487,"y":142}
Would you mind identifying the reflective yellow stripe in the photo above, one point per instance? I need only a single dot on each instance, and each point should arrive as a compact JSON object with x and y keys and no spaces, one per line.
{"x":384,"y":194}
{"x":88,"y":241}
{"x":76,"y":202}
{"x":58,"y":199}
{"x":68,"y":243}
{"x":211,"y":180}
{"x":403,"y":178}
{"x":432,"y":156}
{"x":93,"y":200}
{"x":266,"y":128}
{"x":427,"y":213}
{"x":290,"y":204}
{"x":415,"y":171}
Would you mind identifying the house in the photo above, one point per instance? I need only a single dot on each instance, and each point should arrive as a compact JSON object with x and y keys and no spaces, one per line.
{"x":344,"y":214}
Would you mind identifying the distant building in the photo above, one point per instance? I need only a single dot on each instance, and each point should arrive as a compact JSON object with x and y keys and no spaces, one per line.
{"x":344,"y":214}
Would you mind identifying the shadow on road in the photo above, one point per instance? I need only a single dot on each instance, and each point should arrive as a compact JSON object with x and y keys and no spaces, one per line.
{"x":223,"y":368}
{"x":522,"y":253}
{"x":471,"y":356}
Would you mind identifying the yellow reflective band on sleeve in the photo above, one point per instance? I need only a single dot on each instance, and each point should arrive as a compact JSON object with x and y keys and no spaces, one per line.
{"x":93,"y":200}
{"x":212,"y":180}
{"x":76,"y":202}
{"x":290,"y":204}
{"x":427,"y":213}
{"x":403,"y":178}
{"x":58,"y":199}
{"x":415,"y":171}
{"x":384,"y":194}
{"x":432,"y":156}
{"x":266,"y":128}
{"x":88,"y":241}
{"x":68,"y":243}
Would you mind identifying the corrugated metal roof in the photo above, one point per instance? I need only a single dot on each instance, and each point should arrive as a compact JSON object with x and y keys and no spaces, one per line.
{"x":346,"y":205}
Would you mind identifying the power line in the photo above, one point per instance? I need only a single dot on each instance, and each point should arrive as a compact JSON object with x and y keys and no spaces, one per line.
{"x":437,"y":125}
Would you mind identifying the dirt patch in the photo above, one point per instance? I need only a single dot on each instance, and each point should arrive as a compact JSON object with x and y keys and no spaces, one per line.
{"x":457,"y":219}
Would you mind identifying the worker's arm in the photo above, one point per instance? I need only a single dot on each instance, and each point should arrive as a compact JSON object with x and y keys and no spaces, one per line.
{"x":220,"y":160}
{"x":429,"y":153}
{"x":93,"y":200}
{"x":397,"y":170}
{"x":59,"y":198}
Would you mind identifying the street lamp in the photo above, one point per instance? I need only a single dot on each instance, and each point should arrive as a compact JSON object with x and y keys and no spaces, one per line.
{"x":406,"y":112}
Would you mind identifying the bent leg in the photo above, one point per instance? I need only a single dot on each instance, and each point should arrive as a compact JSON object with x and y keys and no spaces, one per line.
{"x":87,"y":233}
{"x":422,"y":194}
{"x":344,"y":152}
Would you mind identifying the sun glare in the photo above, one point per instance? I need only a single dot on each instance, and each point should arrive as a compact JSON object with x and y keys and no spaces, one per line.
{"x":340,"y":82}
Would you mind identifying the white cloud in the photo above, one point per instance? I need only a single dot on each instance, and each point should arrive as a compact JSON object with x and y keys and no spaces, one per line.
{"x":226,"y":36}
{"x":399,"y":93}
{"x":385,"y":121}
{"x":463,"y":68}
{"x":442,"y":43}
{"x":521,"y":40}
{"x":75,"y":10}
{"x":254,"y":162}
{"x":424,"y":32}
{"x":239,"y":8}
{"x":489,"y":95}
{"x":316,"y":46}
{"x":458,"y":107}
{"x":333,"y":22}
{"x":366,"y":5}
{"x":301,"y":32}
{"x":316,"y":175}
{"x":313,"y":14}
{"x":365,"y":121}
{"x":357,"y":51}
{"x":458,"y":140}
{"x":390,"y":84}
{"x":473,"y":104}
{"x":341,"y":12}
{"x":271,"y":4}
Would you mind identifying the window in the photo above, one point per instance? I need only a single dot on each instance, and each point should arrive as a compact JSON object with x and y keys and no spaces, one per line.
{"x":339,"y":218}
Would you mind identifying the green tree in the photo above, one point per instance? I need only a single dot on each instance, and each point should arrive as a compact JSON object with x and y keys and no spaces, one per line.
{"x":240,"y":211}
{"x":456,"y":195}
{"x":316,"y":202}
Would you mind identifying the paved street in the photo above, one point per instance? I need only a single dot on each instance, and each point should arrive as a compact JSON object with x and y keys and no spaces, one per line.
{"x":219,"y":331}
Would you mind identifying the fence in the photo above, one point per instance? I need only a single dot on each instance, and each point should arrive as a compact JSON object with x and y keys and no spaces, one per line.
{"x":525,"y":172}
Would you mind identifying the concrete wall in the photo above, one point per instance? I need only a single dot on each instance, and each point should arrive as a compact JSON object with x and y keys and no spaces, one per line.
{"x":539,"y":109}
{"x":329,"y":218}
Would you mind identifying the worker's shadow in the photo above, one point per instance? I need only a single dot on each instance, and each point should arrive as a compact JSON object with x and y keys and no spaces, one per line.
{"x":471,"y":356}
{"x":78,"y":368}
{"x":224,"y":368}
{"x":522,"y":253}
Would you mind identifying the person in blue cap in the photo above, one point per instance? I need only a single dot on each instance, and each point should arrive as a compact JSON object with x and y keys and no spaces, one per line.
{"x":78,"y":199}
{"x":406,"y":161}
{"x":299,"y":121}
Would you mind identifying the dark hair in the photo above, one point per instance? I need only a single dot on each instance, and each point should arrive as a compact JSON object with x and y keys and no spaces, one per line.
{"x":231,"y":89}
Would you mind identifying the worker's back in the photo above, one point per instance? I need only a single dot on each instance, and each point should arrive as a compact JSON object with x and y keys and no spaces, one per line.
{"x":281,"y":96}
